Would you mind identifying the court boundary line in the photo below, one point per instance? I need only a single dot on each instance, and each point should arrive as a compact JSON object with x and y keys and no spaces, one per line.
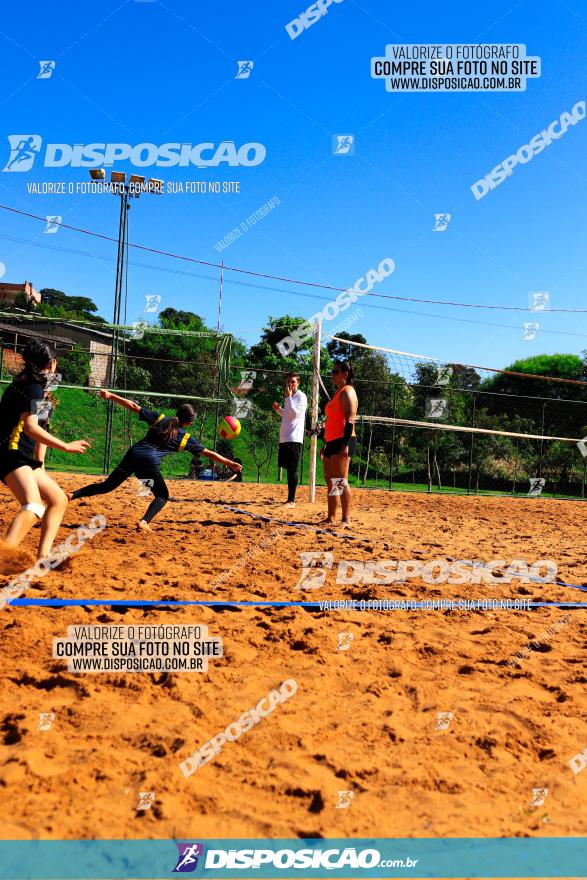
{"x":148,"y":603}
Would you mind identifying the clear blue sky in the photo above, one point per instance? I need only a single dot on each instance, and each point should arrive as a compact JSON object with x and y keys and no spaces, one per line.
{"x":156,"y":72}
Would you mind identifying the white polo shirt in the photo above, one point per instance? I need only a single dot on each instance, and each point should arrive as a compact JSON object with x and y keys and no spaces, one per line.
{"x":293,"y":418}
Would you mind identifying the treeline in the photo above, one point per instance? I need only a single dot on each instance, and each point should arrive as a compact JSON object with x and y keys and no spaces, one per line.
{"x":508,"y":401}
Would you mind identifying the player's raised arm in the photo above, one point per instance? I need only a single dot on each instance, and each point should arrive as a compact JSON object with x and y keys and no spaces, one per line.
{"x":215,"y":456}
{"x":122,"y":401}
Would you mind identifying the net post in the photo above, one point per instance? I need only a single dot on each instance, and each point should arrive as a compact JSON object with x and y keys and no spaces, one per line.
{"x":316,"y":339}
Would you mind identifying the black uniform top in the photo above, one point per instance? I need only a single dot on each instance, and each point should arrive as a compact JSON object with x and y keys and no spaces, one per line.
{"x":150,"y":452}
{"x":19,"y":399}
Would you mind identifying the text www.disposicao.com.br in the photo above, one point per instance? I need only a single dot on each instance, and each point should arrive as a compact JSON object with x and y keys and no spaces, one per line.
{"x":134,"y":664}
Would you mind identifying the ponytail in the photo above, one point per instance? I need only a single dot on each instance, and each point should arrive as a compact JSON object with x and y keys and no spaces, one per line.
{"x":163,"y":433}
{"x":37,"y":356}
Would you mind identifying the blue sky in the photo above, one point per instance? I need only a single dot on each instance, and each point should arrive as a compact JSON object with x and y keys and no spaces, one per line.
{"x":157,"y":72}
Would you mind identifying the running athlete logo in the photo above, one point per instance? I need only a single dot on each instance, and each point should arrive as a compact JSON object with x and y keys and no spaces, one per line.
{"x":152,"y":302}
{"x":46,"y":719}
{"x":247,"y":379}
{"x":242,"y":408}
{"x":538,"y":796}
{"x":343,"y":145}
{"x":538,"y":300}
{"x":46,"y":69}
{"x":435,"y":408}
{"x":344,"y":641}
{"x":443,"y":375}
{"x":339,"y":484}
{"x":187,"y":861}
{"x":344,"y":799}
{"x":529,"y":332}
{"x":578,"y":762}
{"x":23,"y":151}
{"x":53,"y":223}
{"x":443,"y":720}
{"x":536,"y":486}
{"x":244,"y":69}
{"x":138,"y":330}
{"x":441,"y":222}
{"x":146,"y":800}
{"x":145,"y":487}
{"x":315,"y":567}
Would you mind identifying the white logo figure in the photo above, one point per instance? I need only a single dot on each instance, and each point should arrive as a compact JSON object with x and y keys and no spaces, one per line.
{"x":538,"y":795}
{"x":578,"y":762}
{"x":581,"y":444}
{"x":23,"y":151}
{"x":242,"y":408}
{"x":53,"y":223}
{"x":536,"y":486}
{"x":435,"y":408}
{"x":247,"y":379}
{"x":530,"y":331}
{"x":46,"y":69}
{"x":42,"y":409}
{"x":152,"y":303}
{"x":53,"y":380}
{"x":138,"y":330}
{"x":441,"y":222}
{"x":145,"y":488}
{"x":344,"y":641}
{"x":443,"y":720}
{"x":344,"y":799}
{"x":343,"y":144}
{"x":538,"y":300}
{"x":46,"y":719}
{"x":339,"y":484}
{"x":146,"y":799}
{"x":244,"y":69}
{"x":443,"y":375}
{"x":315,"y":566}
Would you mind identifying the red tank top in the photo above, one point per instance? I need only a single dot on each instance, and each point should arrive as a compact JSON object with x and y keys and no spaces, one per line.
{"x":335,"y":419}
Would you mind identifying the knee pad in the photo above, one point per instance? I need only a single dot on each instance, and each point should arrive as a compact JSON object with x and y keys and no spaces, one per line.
{"x":37,"y":509}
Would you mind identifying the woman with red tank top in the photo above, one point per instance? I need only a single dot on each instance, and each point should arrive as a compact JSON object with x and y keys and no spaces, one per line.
{"x":340,"y":441}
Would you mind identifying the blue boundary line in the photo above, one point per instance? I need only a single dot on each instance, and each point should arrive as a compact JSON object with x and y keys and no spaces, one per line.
{"x":139,"y":603}
{"x":297,"y":525}
{"x":149,"y":603}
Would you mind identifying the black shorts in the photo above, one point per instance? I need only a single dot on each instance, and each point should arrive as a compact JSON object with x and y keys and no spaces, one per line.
{"x":333,"y":447}
{"x":12,"y":459}
{"x":289,"y":455}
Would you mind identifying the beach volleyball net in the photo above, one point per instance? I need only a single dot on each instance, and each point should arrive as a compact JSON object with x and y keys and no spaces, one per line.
{"x":432,"y":425}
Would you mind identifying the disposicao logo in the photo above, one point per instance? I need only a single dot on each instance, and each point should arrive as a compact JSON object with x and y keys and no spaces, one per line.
{"x":24,"y":149}
{"x":187,"y":860}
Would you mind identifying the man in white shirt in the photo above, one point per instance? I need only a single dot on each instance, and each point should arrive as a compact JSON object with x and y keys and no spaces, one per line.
{"x":291,"y":434}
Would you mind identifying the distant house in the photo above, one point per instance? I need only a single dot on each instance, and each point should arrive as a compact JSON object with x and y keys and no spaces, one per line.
{"x":9,"y":292}
{"x":17,"y":331}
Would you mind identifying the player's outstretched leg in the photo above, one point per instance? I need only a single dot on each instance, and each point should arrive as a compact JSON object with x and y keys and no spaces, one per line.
{"x":161,"y":497}
{"x":116,"y":479}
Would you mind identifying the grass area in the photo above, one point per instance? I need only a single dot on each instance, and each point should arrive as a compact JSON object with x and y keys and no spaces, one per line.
{"x":81,"y":414}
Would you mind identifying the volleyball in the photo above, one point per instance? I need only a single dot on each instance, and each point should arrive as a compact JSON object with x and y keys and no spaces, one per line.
{"x":229,"y":428}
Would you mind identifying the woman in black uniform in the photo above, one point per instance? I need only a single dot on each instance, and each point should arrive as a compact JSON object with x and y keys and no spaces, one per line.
{"x":165,"y":435}
{"x":40,"y":497}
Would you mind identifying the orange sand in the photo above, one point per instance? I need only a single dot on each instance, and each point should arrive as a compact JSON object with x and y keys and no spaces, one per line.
{"x":362,"y":720}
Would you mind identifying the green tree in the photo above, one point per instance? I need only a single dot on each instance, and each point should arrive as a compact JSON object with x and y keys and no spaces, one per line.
{"x":56,"y":304}
{"x":74,"y":366}
{"x":263,"y":436}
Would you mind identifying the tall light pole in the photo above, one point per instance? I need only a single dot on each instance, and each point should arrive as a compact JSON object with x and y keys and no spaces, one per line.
{"x":118,"y":186}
